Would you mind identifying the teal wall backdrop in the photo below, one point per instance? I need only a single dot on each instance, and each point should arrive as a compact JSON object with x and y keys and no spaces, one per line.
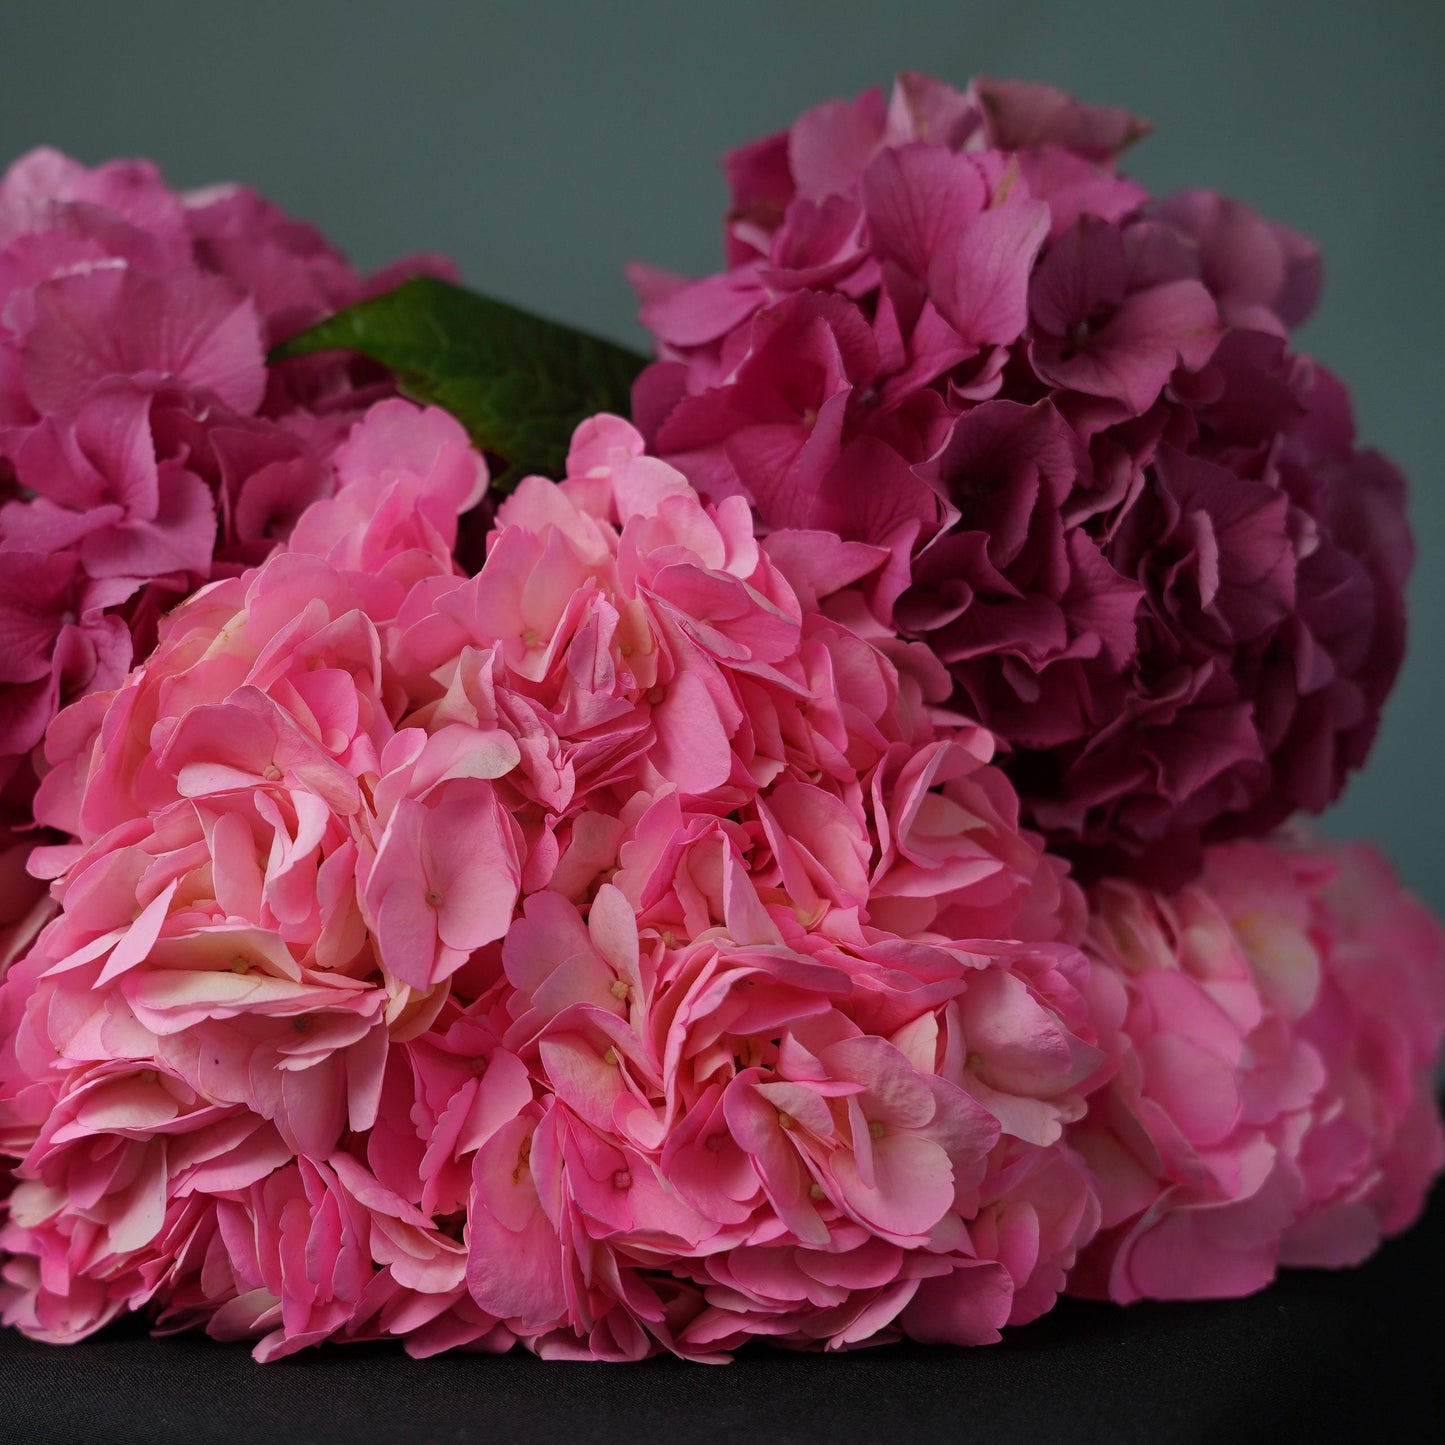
{"x":545,"y":144}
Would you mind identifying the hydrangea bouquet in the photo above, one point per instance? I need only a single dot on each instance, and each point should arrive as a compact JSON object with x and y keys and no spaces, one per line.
{"x":507,"y":843}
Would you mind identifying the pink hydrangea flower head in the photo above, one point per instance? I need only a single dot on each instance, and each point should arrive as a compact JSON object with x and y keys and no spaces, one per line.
{"x":606,"y":951}
{"x":1097,"y":480}
{"x":225,"y":1008}
{"x":1274,"y":1029}
{"x":146,"y":448}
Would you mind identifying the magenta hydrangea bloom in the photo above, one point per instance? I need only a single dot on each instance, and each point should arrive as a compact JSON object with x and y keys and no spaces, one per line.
{"x":1274,"y":1029}
{"x":145,"y":446}
{"x":1097,"y":480}
{"x":606,"y":951}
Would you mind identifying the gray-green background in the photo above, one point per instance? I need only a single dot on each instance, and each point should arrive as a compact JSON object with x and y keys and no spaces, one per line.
{"x":544,"y":144}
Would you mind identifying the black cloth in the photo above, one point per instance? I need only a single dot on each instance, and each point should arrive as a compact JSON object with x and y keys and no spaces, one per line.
{"x":1323,"y":1355}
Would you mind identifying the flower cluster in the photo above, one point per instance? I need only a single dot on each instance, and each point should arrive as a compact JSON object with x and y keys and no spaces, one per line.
{"x":145,"y":447}
{"x":1274,"y":1029}
{"x":598,"y":919}
{"x":1064,"y":430}
{"x":603,"y":951}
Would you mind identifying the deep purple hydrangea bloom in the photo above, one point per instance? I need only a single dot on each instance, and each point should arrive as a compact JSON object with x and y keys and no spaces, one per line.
{"x":1068,"y":422}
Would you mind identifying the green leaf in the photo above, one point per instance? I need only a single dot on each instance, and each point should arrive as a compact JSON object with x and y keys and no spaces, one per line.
{"x":518,"y":383}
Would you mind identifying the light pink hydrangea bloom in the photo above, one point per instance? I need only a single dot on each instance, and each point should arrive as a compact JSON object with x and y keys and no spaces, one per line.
{"x":211,"y":959}
{"x":1275,"y":1029}
{"x":606,"y":951}
{"x":744,"y":942}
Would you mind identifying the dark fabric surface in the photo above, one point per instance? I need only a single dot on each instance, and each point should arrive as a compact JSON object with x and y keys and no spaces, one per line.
{"x":1323,"y":1356}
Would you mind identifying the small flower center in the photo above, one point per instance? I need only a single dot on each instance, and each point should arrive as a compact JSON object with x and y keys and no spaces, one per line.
{"x":810,"y":917}
{"x":785,"y":1120}
{"x":875,"y":1128}
{"x":622,"y":1179}
{"x":452,"y":1225}
{"x":524,"y":1155}
{"x":620,"y":988}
